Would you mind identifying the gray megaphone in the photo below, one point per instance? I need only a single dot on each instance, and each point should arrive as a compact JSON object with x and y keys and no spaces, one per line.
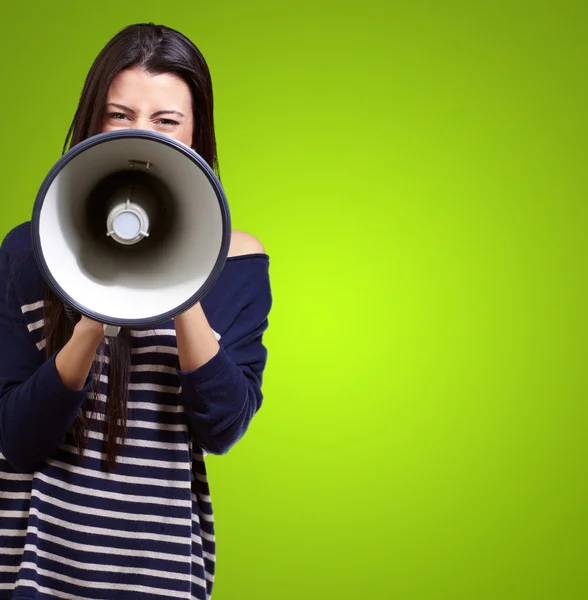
{"x":130,"y":228}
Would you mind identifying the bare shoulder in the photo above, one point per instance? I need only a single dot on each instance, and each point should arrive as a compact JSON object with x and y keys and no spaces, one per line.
{"x":243,"y":243}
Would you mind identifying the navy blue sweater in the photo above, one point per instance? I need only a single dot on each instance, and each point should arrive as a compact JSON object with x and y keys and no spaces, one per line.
{"x":70,"y":529}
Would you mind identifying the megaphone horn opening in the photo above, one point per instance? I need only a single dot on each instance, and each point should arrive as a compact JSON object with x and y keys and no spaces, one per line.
{"x":129,"y":209}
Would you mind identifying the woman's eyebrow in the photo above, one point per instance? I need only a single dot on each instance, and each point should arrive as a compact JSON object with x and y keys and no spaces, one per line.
{"x":167,"y":112}
{"x":121,"y":106}
{"x":155,"y":114}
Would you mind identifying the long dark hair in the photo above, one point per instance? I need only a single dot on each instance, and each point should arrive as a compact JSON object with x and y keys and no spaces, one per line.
{"x":157,"y":49}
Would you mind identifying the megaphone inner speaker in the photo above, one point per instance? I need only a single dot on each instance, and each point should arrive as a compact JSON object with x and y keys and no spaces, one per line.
{"x":132,"y":229}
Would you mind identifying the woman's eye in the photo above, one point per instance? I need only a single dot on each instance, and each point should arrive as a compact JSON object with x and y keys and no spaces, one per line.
{"x":168,"y":122}
{"x":117,"y":116}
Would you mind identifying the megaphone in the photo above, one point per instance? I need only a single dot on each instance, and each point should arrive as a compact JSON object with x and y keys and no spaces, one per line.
{"x":130,"y":228}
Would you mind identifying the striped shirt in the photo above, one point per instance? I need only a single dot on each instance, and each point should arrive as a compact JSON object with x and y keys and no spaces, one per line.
{"x":71,"y":529}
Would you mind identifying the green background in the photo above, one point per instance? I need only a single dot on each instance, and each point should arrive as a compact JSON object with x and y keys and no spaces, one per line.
{"x":417,"y":173}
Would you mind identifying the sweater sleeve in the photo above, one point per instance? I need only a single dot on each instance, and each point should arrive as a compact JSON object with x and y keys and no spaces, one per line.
{"x":222,"y":396}
{"x":36,"y":408}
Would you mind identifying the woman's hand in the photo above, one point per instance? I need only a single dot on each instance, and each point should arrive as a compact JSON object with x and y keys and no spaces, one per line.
{"x":195,"y":339}
{"x":74,"y":360}
{"x":88,"y":328}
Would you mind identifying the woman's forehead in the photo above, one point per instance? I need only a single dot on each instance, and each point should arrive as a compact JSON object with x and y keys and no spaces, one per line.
{"x":142,"y":91}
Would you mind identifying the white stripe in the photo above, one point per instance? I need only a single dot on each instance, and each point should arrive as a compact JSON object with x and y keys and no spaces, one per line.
{"x":11,"y":551}
{"x":143,"y":424}
{"x":198,"y":495}
{"x":29,"y":307}
{"x":109,"y":550}
{"x":116,"y":533}
{"x":6,"y":569}
{"x":198,"y":581}
{"x":13,"y":532}
{"x":203,"y":534}
{"x":18,"y":476}
{"x":207,"y":536}
{"x":126,"y":460}
{"x":174,"y":408}
{"x":155,"y":387}
{"x":159,"y":368}
{"x":14,"y":514}
{"x":152,"y":387}
{"x":155,"y":332}
{"x":152,"y":332}
{"x":196,"y":518}
{"x":16,"y":496}
{"x":131,"y":479}
{"x":70,"y":487}
{"x":36,"y":325}
{"x":178,"y":408}
{"x":182,"y":446}
{"x":41,"y":588}
{"x":154,"y":368}
{"x":144,"y":443}
{"x":87,"y":584}
{"x":160,"y":349}
{"x":42,"y":344}
{"x":207,"y":517}
{"x":88,"y":566}
{"x":109,"y":514}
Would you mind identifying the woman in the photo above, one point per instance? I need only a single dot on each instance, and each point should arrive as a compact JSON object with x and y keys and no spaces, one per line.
{"x":103,"y":488}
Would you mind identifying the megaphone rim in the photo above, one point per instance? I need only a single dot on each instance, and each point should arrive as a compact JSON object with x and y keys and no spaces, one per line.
{"x":129,"y":134}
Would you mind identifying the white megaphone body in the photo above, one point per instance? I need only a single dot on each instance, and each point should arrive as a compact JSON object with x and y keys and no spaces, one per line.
{"x":130,"y":228}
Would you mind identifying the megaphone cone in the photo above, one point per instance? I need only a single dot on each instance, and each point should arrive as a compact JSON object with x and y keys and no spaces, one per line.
{"x":131,"y":228}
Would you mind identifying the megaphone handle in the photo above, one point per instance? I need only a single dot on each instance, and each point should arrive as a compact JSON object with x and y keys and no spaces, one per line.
{"x":72,"y":315}
{"x":111,"y":330}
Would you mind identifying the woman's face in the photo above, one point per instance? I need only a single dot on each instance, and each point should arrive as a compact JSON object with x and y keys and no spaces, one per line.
{"x":161,"y":103}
